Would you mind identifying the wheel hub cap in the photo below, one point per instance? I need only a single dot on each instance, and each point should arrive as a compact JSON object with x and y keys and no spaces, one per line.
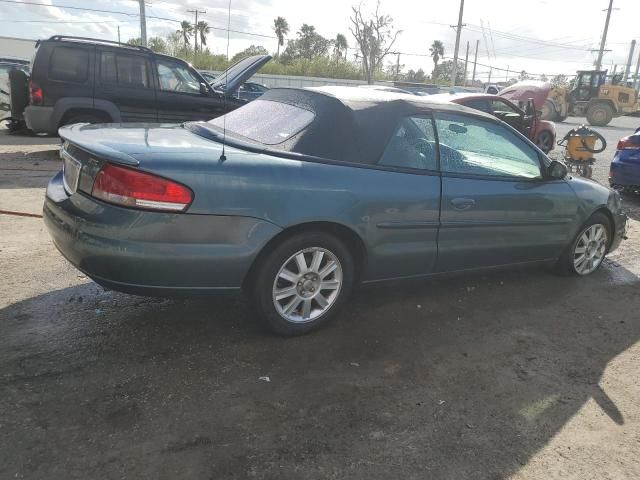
{"x":307,"y":285}
{"x":590,"y":249}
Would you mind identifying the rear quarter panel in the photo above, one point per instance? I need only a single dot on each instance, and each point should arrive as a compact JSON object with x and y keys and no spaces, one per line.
{"x":394,"y":213}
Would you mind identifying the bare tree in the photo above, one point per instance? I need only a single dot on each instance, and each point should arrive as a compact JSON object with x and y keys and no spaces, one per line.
{"x":375,"y":37}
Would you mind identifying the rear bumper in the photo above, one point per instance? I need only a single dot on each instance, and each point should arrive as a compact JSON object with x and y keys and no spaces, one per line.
{"x":152,"y":253}
{"x":625,"y":169}
{"x":39,"y":119}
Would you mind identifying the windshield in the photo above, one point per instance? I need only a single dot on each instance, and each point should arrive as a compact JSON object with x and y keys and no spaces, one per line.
{"x":265,"y":121}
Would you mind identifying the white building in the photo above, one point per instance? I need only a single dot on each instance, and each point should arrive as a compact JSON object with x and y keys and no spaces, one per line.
{"x":12,"y":47}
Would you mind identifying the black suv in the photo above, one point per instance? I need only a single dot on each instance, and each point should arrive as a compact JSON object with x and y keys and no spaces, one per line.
{"x":75,"y":79}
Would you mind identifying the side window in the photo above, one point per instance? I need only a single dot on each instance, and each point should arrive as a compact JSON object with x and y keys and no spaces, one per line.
{"x":68,"y":64}
{"x":412,"y":145}
{"x":482,"y":105}
{"x":124,"y":70}
{"x":177,"y":78}
{"x":503,"y":107}
{"x":132,"y":71}
{"x":108,"y":68}
{"x":475,"y":146}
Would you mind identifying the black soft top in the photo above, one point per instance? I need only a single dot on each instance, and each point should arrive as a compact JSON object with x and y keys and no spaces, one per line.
{"x":352,"y":124}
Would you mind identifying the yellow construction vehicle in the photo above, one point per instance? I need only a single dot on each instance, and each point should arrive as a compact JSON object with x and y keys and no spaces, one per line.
{"x":591,"y":97}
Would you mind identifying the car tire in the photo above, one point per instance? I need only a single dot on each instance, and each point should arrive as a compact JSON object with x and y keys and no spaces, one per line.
{"x":599,"y":114}
{"x":595,"y":238}
{"x":19,"y":93}
{"x":289,"y":296}
{"x":544,"y":141}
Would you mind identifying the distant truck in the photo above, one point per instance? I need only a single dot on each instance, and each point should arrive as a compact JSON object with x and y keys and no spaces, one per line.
{"x":590,"y":97}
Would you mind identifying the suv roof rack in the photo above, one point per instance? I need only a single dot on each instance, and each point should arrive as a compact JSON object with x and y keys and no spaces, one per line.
{"x":59,"y":38}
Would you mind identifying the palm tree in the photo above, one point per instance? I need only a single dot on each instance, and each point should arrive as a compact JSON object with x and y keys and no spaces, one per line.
{"x":202,"y":29}
{"x":186,"y":29}
{"x":437,"y":52}
{"x":340,"y":46}
{"x":281,"y":27}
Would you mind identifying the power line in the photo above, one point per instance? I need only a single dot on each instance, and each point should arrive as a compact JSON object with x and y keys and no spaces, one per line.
{"x":130,"y":14}
{"x":65,"y":21}
{"x":69,"y":7}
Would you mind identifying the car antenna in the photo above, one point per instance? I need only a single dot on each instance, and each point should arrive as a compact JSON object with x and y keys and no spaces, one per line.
{"x":223,"y":157}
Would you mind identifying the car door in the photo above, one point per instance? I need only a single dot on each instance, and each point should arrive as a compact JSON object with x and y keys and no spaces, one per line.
{"x":497,"y":206}
{"x":179,"y":95}
{"x":403,"y":218}
{"x":124,"y":79}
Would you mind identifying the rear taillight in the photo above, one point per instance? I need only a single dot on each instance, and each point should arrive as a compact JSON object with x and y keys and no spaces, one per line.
{"x":132,"y":188}
{"x":35,"y":94}
{"x":629,"y":143}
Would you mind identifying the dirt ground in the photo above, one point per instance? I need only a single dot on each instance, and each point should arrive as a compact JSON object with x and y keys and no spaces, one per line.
{"x":509,"y":375}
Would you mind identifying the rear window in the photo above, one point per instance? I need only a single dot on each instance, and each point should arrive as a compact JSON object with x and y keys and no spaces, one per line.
{"x":69,"y":64}
{"x":265,"y":121}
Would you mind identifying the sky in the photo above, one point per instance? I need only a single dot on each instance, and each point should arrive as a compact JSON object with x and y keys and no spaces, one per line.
{"x":538,"y":36}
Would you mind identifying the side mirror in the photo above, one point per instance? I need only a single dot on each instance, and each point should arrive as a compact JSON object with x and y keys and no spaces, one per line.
{"x":204,"y":90}
{"x":557,"y":170}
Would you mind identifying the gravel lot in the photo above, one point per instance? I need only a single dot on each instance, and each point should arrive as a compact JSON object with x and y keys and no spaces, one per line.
{"x":518,"y":374}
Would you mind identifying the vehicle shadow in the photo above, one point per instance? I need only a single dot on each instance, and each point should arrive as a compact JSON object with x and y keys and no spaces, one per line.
{"x":464,"y":377}
{"x":631,"y":205}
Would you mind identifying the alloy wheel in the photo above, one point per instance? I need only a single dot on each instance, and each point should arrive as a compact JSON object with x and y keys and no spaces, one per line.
{"x":307,"y":285}
{"x":590,"y":249}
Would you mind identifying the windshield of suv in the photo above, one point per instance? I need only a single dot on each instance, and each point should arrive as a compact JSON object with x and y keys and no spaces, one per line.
{"x":265,"y":121}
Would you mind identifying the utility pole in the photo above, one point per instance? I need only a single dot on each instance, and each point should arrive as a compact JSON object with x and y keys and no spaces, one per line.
{"x":118,"y":33}
{"x":490,"y":72}
{"x":466,"y":61}
{"x":506,"y":78}
{"x":195,"y":28}
{"x":604,"y":36}
{"x":475,"y":61}
{"x":629,"y":60}
{"x":635,"y":77}
{"x":454,"y":70}
{"x":143,"y":24}
{"x":398,"y":66}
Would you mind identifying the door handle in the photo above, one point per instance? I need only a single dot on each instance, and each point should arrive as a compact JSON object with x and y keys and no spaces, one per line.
{"x":462,"y":204}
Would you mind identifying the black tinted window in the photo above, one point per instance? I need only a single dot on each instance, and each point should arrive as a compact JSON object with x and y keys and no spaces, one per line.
{"x":132,"y":71}
{"x":108,"y":68}
{"x":68,"y":64}
{"x":266,"y":121}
